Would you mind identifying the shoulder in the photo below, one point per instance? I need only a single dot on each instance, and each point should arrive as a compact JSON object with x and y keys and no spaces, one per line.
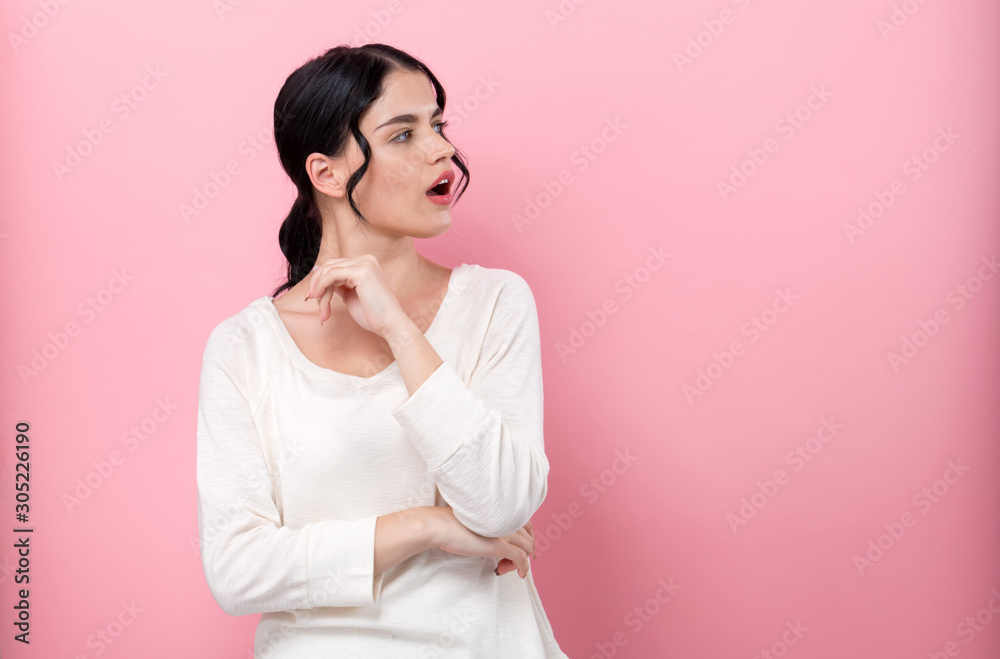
{"x":504,"y":299}
{"x":501,"y":285}
{"x":231,"y":338}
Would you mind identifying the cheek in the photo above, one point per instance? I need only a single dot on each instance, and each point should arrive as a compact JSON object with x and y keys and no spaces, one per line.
{"x":400,"y":174}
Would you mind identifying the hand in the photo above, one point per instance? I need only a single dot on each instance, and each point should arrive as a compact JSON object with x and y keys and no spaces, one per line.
{"x":360,"y":284}
{"x":507,"y":565}
{"x":513,"y":550}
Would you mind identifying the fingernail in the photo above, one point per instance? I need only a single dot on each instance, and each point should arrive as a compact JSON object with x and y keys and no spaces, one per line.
{"x":496,"y":570}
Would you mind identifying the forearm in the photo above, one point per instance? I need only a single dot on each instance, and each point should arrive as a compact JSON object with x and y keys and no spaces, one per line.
{"x":415,"y":356}
{"x":402,"y":534}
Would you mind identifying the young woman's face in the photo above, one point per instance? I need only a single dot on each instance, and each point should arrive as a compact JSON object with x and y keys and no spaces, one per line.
{"x":408,"y":155}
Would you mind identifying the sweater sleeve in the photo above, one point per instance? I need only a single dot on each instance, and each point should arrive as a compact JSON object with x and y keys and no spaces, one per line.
{"x":252,"y":563}
{"x":483,"y":442}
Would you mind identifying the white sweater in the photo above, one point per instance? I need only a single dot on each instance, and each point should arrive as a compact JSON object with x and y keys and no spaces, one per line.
{"x":295,"y":462}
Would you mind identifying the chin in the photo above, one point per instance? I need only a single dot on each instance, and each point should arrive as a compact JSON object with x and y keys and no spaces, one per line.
{"x":435,"y":229}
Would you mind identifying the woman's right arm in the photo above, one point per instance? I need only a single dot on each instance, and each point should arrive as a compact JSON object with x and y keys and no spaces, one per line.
{"x":404,"y":533}
{"x":253,"y":562}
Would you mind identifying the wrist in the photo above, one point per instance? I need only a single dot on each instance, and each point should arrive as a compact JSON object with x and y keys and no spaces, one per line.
{"x":400,"y":334}
{"x":428,"y":523}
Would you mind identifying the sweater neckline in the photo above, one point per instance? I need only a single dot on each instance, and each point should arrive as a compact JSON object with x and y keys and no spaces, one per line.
{"x":299,"y":358}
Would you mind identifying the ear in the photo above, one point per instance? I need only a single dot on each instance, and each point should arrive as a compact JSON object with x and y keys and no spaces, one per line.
{"x":328,"y":175}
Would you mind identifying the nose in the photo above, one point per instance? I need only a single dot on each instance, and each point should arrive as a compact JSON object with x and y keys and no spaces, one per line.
{"x":437,"y":147}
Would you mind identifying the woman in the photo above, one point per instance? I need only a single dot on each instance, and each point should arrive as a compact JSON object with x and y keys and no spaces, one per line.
{"x":370,"y":443}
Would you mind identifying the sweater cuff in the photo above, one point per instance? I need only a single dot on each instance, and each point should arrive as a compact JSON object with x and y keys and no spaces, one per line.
{"x":340,"y":568}
{"x":442,"y":416}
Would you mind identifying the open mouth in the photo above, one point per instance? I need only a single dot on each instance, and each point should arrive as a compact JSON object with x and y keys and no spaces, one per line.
{"x":443,"y":185}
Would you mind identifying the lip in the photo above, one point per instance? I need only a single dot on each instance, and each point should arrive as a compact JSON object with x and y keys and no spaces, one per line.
{"x":440,"y":200}
{"x":446,"y":174}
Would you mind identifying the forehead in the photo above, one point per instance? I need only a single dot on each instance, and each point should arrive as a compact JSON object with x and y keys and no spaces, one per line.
{"x":403,"y":92}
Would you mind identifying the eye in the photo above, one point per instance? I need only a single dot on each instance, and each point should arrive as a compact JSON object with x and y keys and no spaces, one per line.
{"x":406,"y":132}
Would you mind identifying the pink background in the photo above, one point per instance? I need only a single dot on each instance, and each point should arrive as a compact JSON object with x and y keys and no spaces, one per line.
{"x":834,"y":109}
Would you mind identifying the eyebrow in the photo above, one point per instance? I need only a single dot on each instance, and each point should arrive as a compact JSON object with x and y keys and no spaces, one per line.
{"x":406,"y":119}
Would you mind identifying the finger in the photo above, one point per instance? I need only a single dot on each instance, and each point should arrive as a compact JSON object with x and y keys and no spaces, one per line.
{"x":518,"y":554}
{"x":523,"y":565}
{"x":324,"y":277}
{"x":522,"y":542}
{"x":313,"y":278}
{"x":529,"y":533}
{"x":325,"y":309}
{"x":508,"y":565}
{"x":529,"y":538}
{"x":504,"y":566}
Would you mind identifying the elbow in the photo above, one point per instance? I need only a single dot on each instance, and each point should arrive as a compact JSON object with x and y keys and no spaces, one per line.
{"x":512,"y":512}
{"x":232,"y":598}
{"x":227,"y":592}
{"x":223,"y":597}
{"x":228,"y":604}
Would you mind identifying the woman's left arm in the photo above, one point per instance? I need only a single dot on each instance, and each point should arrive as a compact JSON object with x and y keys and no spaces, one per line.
{"x":483,"y":442}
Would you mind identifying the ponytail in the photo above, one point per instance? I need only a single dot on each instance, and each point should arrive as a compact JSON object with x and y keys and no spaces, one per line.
{"x":299,"y":239}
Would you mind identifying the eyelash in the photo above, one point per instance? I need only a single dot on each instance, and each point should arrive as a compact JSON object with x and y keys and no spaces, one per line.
{"x":407,"y":131}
